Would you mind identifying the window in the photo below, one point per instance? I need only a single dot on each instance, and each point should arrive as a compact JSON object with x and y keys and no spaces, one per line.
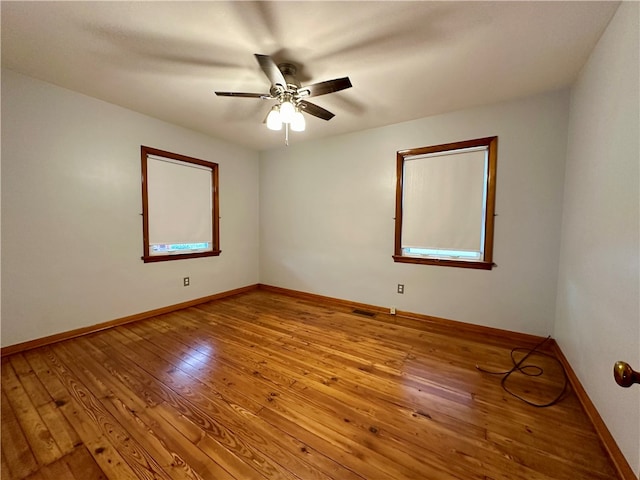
{"x":445,"y":201}
{"x":179,"y":206}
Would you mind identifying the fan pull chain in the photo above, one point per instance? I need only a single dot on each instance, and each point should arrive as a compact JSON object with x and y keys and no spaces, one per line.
{"x":286,"y":134}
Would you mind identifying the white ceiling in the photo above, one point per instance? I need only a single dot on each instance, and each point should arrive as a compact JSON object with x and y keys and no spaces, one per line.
{"x":406,"y":60}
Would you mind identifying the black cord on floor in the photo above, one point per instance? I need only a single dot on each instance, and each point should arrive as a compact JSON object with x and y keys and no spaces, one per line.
{"x":530,"y":371}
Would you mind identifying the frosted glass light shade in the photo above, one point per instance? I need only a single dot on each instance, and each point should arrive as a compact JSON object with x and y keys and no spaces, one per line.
{"x":274,"y":119}
{"x":298,"y":123}
{"x":287,"y":111}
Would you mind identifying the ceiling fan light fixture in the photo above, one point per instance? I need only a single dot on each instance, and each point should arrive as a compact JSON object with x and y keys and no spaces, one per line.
{"x":298,"y":123}
{"x":274,"y":119}
{"x":287,"y":111}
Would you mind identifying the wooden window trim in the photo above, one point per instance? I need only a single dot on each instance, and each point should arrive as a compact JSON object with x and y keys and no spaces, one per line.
{"x":487,"y":262}
{"x":146,"y":257}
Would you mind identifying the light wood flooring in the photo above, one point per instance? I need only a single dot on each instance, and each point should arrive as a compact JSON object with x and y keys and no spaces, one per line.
{"x":266,"y":386}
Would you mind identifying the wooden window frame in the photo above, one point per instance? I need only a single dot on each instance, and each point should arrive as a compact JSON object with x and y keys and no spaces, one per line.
{"x":486,"y":263}
{"x":146,"y":257}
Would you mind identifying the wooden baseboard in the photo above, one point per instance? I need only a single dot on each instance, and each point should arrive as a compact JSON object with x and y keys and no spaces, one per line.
{"x":58,"y":337}
{"x":459,"y":327}
{"x":623,"y":469}
{"x":321,"y":298}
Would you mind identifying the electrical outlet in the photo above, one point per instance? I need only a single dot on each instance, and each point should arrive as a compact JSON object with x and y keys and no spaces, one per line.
{"x":185,"y":281}
{"x":392,"y":310}
{"x":400,"y":288}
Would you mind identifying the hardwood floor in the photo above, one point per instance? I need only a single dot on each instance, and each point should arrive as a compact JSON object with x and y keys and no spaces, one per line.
{"x":265,"y":386}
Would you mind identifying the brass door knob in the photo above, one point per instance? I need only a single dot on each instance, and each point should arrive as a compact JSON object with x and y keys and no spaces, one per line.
{"x":625,"y":375}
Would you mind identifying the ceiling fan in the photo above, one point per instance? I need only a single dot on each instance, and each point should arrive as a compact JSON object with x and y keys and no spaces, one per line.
{"x":286,"y":89}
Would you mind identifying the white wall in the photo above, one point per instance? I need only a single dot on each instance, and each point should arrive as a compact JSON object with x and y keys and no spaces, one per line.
{"x":598,"y":309}
{"x":327,"y":208}
{"x":71,"y":203}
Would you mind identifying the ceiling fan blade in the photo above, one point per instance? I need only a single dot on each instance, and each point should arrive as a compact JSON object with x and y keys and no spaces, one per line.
{"x":271,"y":70}
{"x":315,"y":110}
{"x":322,"y":88}
{"x":264,"y":96}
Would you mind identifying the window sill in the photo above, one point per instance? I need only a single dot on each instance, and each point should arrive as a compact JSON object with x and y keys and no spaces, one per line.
{"x":476,"y":264}
{"x":180,"y":256}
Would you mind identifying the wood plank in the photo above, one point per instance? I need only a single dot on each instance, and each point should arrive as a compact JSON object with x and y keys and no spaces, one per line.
{"x":216,"y":410}
{"x":35,"y":429}
{"x":4,"y":468}
{"x":37,"y":476}
{"x":103,"y":451}
{"x":365,"y":443}
{"x":82,"y":465}
{"x":64,"y":435}
{"x":15,"y":447}
{"x":56,"y":471}
{"x":196,"y":426}
{"x":5,"y":471}
{"x":39,"y":396}
{"x":62,"y":432}
{"x":140,"y":461}
{"x":117,"y":376}
{"x":285,"y":450}
{"x":227,"y":381}
{"x":115,"y":401}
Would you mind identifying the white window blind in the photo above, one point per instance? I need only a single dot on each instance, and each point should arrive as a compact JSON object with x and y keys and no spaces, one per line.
{"x":443,"y":198}
{"x":180,"y":203}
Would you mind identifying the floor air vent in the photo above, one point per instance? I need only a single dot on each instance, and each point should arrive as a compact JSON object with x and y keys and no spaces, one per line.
{"x":364,"y":312}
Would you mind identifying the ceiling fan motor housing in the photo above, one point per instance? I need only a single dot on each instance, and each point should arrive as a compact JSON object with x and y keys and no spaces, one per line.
{"x":289,"y":72}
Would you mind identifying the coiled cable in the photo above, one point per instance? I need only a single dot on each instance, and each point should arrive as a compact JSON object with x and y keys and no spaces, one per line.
{"x":530,"y":371}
